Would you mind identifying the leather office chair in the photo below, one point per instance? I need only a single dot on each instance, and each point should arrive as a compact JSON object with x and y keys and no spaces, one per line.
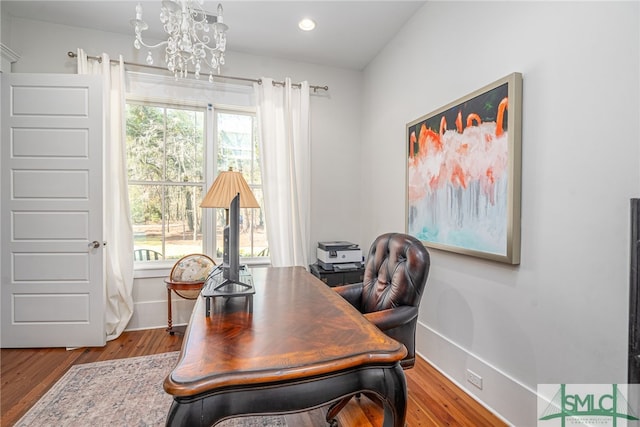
{"x":395,"y":275}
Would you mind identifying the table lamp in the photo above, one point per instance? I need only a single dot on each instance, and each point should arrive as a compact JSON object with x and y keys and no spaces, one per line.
{"x":226,"y":186}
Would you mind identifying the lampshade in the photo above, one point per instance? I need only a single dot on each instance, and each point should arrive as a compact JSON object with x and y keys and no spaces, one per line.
{"x":226,"y":186}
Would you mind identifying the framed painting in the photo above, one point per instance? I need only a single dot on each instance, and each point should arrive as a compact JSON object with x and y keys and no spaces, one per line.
{"x":464,"y":173}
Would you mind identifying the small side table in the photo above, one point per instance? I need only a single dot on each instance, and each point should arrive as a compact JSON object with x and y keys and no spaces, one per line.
{"x":186,"y":279}
{"x":336,"y":278}
{"x":193,"y":289}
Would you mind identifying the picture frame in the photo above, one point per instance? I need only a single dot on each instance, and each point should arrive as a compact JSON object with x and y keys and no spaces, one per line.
{"x":463,"y":180}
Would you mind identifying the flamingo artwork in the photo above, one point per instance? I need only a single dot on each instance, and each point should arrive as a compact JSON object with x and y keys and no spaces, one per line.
{"x":458,"y":173}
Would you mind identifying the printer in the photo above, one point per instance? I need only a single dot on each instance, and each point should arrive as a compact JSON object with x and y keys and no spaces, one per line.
{"x":339,"y":255}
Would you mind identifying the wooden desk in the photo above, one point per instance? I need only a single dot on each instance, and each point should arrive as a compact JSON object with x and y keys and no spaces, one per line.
{"x":302,"y":346}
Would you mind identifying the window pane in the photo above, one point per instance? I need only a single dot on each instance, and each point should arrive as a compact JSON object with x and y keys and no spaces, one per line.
{"x":220,"y":222}
{"x":256,"y":175}
{"x":238,"y":148}
{"x":165,"y":154}
{"x":166,"y":163}
{"x":146,"y":214}
{"x":183,"y":224}
{"x":185,"y":145}
{"x":145,"y":142}
{"x":235,"y":143}
{"x":258,"y":231}
{"x":253,"y":237}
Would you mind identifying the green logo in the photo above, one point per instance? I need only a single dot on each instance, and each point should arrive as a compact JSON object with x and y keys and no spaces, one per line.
{"x":582,"y":404}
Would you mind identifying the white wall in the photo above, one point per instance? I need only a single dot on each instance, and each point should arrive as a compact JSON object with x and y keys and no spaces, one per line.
{"x":561,"y":315}
{"x":335,"y":129}
{"x":335,"y":114}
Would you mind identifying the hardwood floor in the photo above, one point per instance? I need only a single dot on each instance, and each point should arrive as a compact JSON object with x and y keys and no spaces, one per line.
{"x":27,"y":374}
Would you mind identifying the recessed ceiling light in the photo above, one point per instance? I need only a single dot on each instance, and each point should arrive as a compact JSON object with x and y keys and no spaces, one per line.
{"x":307,"y":24}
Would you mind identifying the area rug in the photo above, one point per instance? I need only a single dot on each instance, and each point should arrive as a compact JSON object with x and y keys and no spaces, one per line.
{"x":117,"y":393}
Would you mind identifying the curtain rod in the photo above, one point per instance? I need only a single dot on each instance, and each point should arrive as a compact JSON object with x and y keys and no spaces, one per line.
{"x":246,"y":79}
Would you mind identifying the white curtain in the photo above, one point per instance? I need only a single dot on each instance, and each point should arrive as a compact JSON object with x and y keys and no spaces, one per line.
{"x":118,"y":232}
{"x":283,"y":120}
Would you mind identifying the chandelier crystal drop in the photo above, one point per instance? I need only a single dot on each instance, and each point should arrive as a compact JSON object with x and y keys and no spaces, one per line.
{"x":195,"y":38}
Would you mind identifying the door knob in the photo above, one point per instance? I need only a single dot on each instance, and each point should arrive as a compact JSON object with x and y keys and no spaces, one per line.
{"x":95,"y":244}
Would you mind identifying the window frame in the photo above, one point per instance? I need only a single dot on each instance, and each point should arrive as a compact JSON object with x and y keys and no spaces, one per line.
{"x":168,"y":183}
{"x":211,"y":173}
{"x":160,"y":268}
{"x":248,"y":111}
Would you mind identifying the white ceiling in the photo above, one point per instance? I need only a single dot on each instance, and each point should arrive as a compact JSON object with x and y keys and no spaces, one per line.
{"x":349,"y":34}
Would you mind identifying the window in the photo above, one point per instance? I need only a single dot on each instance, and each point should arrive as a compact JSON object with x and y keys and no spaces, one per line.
{"x":166,"y":163}
{"x":237,"y":147}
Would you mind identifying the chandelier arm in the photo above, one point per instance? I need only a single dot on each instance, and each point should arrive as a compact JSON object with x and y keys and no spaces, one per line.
{"x":212,"y":49}
{"x":204,"y":41}
{"x":151,"y":46}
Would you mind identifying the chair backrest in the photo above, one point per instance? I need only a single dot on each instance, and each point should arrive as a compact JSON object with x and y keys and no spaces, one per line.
{"x":395,"y":273}
{"x":146,"y":255}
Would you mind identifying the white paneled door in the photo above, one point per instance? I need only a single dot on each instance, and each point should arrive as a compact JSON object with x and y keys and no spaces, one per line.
{"x":52,"y":285}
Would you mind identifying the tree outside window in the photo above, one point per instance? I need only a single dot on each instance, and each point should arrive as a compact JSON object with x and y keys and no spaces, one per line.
{"x":166,"y":164}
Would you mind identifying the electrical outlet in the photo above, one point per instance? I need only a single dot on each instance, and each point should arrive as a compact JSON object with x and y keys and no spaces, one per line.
{"x":474,"y":379}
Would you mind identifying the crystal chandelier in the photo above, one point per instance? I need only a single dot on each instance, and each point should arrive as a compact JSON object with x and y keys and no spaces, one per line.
{"x":195,"y":38}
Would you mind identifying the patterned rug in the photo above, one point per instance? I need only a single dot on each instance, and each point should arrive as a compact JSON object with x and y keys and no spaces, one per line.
{"x":117,"y":393}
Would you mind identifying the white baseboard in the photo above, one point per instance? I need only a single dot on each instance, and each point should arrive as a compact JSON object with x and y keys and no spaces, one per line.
{"x":153,"y":314}
{"x":506,"y":397}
